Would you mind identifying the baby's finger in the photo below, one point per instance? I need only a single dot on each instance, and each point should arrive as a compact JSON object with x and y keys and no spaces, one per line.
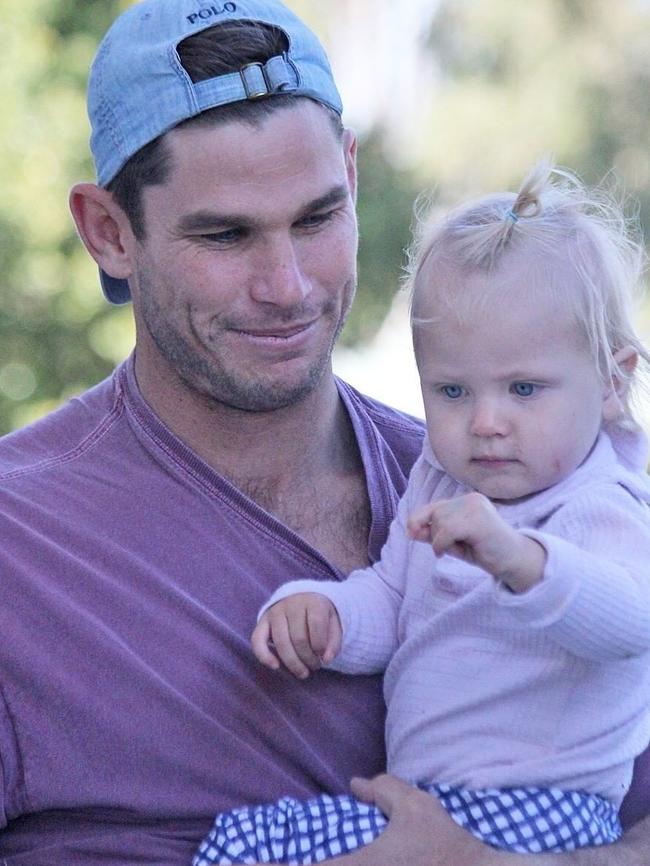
{"x":443,"y":539}
{"x":260,"y":645}
{"x":334,"y":637}
{"x":301,"y":637}
{"x":318,"y":626}
{"x":286,"y":646}
{"x":452,"y":544}
{"x":418,"y":525}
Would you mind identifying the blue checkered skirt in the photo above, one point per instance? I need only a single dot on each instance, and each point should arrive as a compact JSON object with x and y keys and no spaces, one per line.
{"x":525,"y":820}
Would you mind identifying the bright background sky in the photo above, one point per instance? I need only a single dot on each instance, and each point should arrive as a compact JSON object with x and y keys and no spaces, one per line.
{"x":388,"y":80}
{"x":384,"y":81}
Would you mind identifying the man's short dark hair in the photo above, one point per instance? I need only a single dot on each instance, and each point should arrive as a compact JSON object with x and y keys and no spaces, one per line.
{"x":215,"y":51}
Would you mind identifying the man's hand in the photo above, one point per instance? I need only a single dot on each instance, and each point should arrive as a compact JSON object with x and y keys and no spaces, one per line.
{"x":470,"y":528}
{"x":420,"y":832}
{"x":302,"y":632}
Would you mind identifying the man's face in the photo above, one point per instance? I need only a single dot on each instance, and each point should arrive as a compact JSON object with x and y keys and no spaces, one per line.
{"x":248,"y":268}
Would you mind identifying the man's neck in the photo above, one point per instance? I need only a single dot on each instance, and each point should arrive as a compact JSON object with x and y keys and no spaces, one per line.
{"x":252,"y":448}
{"x":300,"y":463}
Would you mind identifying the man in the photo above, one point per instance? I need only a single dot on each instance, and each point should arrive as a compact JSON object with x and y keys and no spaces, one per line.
{"x":144,"y":523}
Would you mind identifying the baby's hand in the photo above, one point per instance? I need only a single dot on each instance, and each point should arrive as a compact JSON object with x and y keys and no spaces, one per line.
{"x":470,"y":528}
{"x":303,"y":631}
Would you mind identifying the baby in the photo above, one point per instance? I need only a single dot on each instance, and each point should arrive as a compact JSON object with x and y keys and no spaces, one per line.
{"x":510,"y":608}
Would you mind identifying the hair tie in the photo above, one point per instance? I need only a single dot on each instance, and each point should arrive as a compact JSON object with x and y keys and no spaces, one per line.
{"x":511,"y":217}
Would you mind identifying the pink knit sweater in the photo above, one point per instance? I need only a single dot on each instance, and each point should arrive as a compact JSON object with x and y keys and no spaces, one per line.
{"x":485,"y":688}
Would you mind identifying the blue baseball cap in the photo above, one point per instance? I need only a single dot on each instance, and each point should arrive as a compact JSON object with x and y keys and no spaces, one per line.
{"x":138,"y":88}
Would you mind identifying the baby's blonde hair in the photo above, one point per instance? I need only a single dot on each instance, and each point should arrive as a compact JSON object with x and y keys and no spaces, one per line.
{"x":567,"y":230}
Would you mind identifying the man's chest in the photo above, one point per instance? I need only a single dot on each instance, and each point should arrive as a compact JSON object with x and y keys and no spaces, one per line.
{"x":339,"y":530}
{"x":333,"y":516}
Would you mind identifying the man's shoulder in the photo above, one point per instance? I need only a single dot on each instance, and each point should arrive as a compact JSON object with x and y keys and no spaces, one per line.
{"x":60,"y":435}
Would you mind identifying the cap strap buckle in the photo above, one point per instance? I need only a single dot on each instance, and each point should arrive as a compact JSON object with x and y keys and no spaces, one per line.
{"x":254,"y":80}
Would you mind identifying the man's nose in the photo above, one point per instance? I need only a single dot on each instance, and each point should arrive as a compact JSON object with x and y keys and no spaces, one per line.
{"x":489,"y":419}
{"x":280,"y":277}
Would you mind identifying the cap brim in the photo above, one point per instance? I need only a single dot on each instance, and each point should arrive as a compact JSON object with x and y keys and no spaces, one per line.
{"x":115,"y":290}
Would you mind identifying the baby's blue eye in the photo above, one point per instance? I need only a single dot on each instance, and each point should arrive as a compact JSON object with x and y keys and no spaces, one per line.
{"x":523,"y":389}
{"x":452,"y":391}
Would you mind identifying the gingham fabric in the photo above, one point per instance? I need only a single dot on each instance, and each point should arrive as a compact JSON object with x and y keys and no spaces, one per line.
{"x":525,"y":820}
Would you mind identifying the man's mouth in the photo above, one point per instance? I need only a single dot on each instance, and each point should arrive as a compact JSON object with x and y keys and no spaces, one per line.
{"x":280,"y":332}
{"x":277,"y":335}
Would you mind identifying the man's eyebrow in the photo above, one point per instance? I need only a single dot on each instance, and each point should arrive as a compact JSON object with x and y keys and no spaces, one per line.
{"x":336,"y":195}
{"x":203,"y":220}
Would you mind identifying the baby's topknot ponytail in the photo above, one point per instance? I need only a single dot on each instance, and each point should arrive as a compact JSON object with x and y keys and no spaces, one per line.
{"x":564,"y":240}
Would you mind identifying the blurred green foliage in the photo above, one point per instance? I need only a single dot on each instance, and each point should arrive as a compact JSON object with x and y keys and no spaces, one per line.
{"x":516,"y":81}
{"x":569,"y":78}
{"x":56,"y":334}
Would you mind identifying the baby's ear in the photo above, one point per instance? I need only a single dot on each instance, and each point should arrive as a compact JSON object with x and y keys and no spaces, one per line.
{"x":613,"y":401}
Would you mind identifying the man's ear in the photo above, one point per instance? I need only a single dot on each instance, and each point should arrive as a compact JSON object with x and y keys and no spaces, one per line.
{"x":613,"y":402}
{"x":350,"y":156}
{"x":103,"y":227}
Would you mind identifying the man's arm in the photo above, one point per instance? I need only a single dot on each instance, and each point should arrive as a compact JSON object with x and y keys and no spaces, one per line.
{"x":421,"y":833}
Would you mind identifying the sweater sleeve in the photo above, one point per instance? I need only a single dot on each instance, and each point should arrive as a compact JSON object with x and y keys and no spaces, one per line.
{"x":368,"y":601}
{"x":594,"y":599}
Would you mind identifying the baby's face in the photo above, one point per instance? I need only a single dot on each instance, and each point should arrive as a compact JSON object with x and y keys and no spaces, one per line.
{"x":513,"y":401}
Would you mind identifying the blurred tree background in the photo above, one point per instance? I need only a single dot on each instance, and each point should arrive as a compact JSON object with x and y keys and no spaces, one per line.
{"x":510,"y":82}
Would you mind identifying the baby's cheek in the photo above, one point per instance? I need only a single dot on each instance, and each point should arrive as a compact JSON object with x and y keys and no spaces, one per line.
{"x":562,"y":464}
{"x":553,"y":466}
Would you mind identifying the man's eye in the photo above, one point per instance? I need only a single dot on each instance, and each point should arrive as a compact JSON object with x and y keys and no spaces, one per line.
{"x":523,"y":389}
{"x":227,"y":236}
{"x":315,"y":220}
{"x":452,"y":391}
